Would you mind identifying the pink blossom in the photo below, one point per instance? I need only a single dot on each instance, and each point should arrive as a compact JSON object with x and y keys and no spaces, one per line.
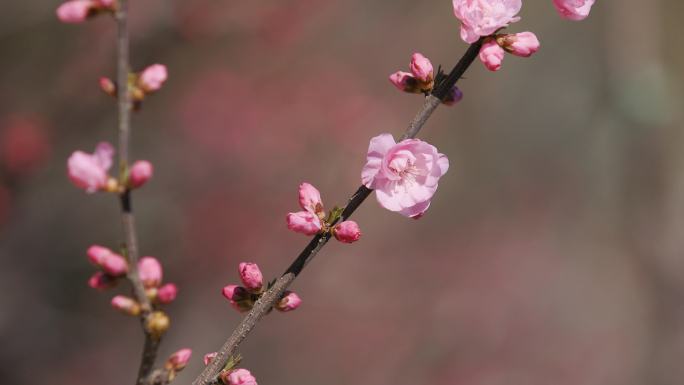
{"x":405,"y":175}
{"x":101,"y":281}
{"x":251,"y":276}
{"x":126,"y":305}
{"x":491,"y":54}
{"x":573,"y":9}
{"x":454,"y":96}
{"x":238,"y":377}
{"x":484,"y":17}
{"x":150,"y":272}
{"x":347,"y":232}
{"x":89,"y":171}
{"x":111,"y":4}
{"x":421,"y":68}
{"x":310,"y":198}
{"x":209,"y":357}
{"x":139,"y":173}
{"x":167,"y":293}
{"x":404,"y":81}
{"x":522,"y":44}
{"x":304,"y":222}
{"x":179,"y":359}
{"x":75,"y":11}
{"x":152,"y":77}
{"x":112,"y":263}
{"x":289,"y":302}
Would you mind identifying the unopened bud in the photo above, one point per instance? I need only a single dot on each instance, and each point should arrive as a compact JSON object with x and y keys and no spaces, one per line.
{"x":126,"y":305}
{"x":178,"y":360}
{"x":237,"y":377}
{"x":454,"y":96}
{"x":347,"y":232}
{"x":101,"y":281}
{"x":108,"y":86}
{"x":239,"y":297}
{"x":139,"y":173}
{"x":157,"y":323}
{"x":289,"y":302}
{"x":167,"y":293}
{"x":251,"y":276}
{"x":150,"y":271}
{"x":209,"y":357}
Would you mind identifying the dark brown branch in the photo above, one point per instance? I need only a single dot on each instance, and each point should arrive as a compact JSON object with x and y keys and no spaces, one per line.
{"x":127,"y":219}
{"x":272,"y":295}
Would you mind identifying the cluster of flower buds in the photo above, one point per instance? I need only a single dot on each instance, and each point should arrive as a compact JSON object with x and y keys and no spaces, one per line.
{"x":242,"y":298}
{"x":140,"y":84}
{"x":522,"y":44}
{"x":112,"y":265}
{"x":77,"y":11}
{"x":231,"y":375}
{"x":150,"y":273}
{"x":313,"y":220}
{"x":90,"y":171}
{"x":177,"y":362}
{"x":421,"y":80}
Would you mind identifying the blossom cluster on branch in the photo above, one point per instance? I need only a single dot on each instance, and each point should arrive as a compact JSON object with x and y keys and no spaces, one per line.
{"x":404,"y":175}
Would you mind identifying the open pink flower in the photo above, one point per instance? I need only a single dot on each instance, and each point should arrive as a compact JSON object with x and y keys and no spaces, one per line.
{"x":573,"y":9}
{"x":75,"y":11}
{"x":484,"y":17}
{"x":405,"y":175}
{"x":89,"y":171}
{"x":310,"y":198}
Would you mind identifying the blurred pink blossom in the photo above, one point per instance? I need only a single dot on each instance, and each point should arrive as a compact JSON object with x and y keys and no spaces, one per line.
{"x":167,"y":293}
{"x":112,"y":263}
{"x":101,"y":281}
{"x":139,"y":173}
{"x":89,"y":171}
{"x":347,"y":232}
{"x":153,"y":77}
{"x":126,"y":305}
{"x":405,"y":175}
{"x":24,"y":144}
{"x":75,"y":11}
{"x":251,"y":276}
{"x":484,"y":17}
{"x":492,"y":55}
{"x":573,"y":9}
{"x":150,"y":271}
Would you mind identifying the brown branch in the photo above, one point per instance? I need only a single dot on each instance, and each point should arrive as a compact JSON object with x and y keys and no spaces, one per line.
{"x":273,"y":294}
{"x":127,"y":219}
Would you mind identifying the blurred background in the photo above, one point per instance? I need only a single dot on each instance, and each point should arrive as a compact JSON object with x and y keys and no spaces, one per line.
{"x":553,"y":252}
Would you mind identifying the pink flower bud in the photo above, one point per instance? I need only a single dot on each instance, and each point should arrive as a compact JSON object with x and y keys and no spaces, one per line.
{"x":75,"y":11}
{"x":167,"y":293}
{"x":421,"y":68}
{"x":89,"y":171}
{"x":251,"y":276}
{"x":404,"y":81}
{"x":139,"y":173}
{"x":108,"y":86}
{"x":522,"y":44}
{"x":150,"y":271}
{"x":454,"y":96}
{"x":573,"y":9}
{"x":209,"y":357}
{"x":290,"y":301}
{"x":152,"y":77}
{"x":238,"y":296}
{"x":179,"y":359}
{"x":310,"y":198}
{"x":126,"y":305}
{"x":491,"y":54}
{"x":347,"y":232}
{"x":113,"y":264}
{"x":101,"y":281}
{"x":238,"y":377}
{"x":303,"y":222}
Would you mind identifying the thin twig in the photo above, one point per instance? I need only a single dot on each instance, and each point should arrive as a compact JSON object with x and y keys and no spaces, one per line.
{"x":273,"y":294}
{"x":127,"y":219}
